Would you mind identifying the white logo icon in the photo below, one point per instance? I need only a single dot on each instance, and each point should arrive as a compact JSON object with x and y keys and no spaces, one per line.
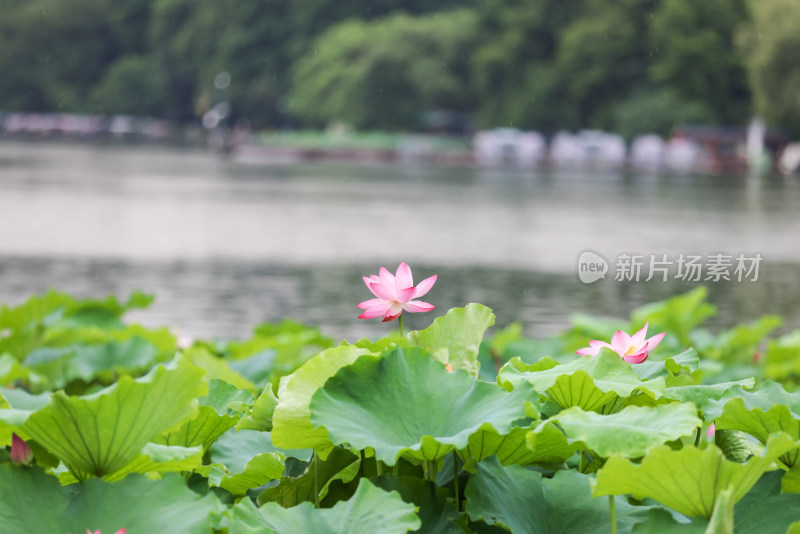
{"x":591,"y":267}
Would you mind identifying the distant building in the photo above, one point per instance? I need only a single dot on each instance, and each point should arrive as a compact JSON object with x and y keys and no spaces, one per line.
{"x":509,"y":146}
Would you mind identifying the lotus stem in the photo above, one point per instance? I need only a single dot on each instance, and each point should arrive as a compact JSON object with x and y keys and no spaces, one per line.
{"x":455,"y":480}
{"x":316,"y":484}
{"x":400,"y":324}
{"x":613,"y":513}
{"x":429,"y":474}
{"x":379,"y":467}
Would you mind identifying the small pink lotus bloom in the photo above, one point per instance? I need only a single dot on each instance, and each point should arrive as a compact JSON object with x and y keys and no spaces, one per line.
{"x":632,"y":349}
{"x":120,"y":531}
{"x":21,"y":453}
{"x":710,"y":431}
{"x":394,"y":294}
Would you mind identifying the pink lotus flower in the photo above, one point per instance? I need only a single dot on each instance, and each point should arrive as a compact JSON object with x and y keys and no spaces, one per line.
{"x":21,"y":453}
{"x":632,"y":349}
{"x":394,"y":294}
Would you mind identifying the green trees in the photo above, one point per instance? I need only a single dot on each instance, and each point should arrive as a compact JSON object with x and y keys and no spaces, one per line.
{"x":384,"y":74}
{"x":53,"y":53}
{"x":771,"y":47}
{"x":610,"y":64}
{"x":696,"y":54}
{"x":514,"y":68}
{"x":624,"y":65}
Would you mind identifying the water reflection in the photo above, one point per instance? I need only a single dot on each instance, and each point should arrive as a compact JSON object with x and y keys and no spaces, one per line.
{"x":226,"y":246}
{"x":226,"y":298}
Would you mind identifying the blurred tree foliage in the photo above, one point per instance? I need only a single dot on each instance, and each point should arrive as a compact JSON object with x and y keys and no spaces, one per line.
{"x":696,"y":54}
{"x":385,"y":74}
{"x":771,"y":47}
{"x":629,"y":65}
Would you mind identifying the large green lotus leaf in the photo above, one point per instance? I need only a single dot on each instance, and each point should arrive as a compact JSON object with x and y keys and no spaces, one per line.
{"x":520,"y":500}
{"x":370,"y":509}
{"x":783,"y":356}
{"x":15,"y":407}
{"x":157,"y":458}
{"x":721,"y":521}
{"x":761,"y":424}
{"x":407,"y":403}
{"x":57,"y":335}
{"x":579,"y":389}
{"x":100,"y":433}
{"x":236,"y":447}
{"x":661,"y":520}
{"x":509,"y":448}
{"x":62,"y":365}
{"x":261,"y":468}
{"x":215,"y":416}
{"x":507,"y":496}
{"x":706,"y":397}
{"x":436,"y":512}
{"x":549,"y":443}
{"x":765,"y":509}
{"x":38,"y":308}
{"x":460,"y":331}
{"x":32,"y":501}
{"x":768,"y":395}
{"x":153,"y":459}
{"x":216,"y":367}
{"x":291,"y":426}
{"x":291,"y":491}
{"x":241,"y":460}
{"x":275,"y":350}
{"x":141,"y":506}
{"x":23,"y":403}
{"x":11,"y":370}
{"x":257,"y":367}
{"x":56,"y":319}
{"x":791,"y":480}
{"x":259,"y":415}
{"x":572,"y":508}
{"x":587,"y":382}
{"x":631,"y":432}
{"x":688,"y":480}
{"x":738,"y":344}
{"x":687,"y":362}
{"x":766,"y":411}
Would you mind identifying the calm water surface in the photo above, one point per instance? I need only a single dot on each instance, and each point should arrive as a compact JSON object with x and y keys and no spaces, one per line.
{"x":225,"y":246}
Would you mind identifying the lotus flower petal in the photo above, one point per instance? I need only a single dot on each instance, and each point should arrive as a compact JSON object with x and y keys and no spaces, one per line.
{"x":403,"y":278}
{"x":425,"y":286}
{"x":418,"y":306}
{"x":620,"y":341}
{"x":638,"y":337}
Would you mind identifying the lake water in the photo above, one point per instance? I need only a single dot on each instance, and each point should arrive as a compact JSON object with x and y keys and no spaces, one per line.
{"x":225,"y":246}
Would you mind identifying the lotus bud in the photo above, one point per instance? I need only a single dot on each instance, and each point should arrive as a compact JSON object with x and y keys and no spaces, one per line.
{"x":21,"y":453}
